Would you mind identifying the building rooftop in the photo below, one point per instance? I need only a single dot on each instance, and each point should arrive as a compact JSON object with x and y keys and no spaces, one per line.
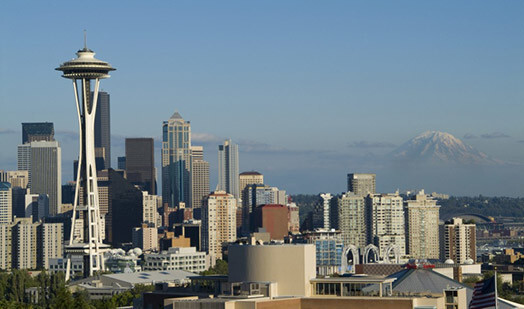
{"x":251,"y":173}
{"x":150,"y":277}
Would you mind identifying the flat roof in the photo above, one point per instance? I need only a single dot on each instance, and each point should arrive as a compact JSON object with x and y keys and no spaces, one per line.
{"x":148,"y":277}
{"x":354,"y":279}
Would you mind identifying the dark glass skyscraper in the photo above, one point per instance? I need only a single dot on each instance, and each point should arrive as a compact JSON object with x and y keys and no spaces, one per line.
{"x":176,"y":161}
{"x":37,"y":131}
{"x":103,"y":126}
{"x":140,"y":163}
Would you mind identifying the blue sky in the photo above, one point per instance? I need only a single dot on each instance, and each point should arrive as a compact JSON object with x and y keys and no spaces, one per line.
{"x":293,"y":82}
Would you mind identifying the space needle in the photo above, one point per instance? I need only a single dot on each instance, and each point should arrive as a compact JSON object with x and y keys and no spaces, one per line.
{"x":86,"y":230}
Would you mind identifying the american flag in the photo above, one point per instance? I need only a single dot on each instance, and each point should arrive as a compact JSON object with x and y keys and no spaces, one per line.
{"x":484,"y":295}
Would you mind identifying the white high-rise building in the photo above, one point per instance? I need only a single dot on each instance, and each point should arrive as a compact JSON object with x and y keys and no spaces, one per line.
{"x":6,"y":203}
{"x":199,"y":176}
{"x":385,"y":214}
{"x":50,"y":243}
{"x":145,"y":238}
{"x":352,"y":219}
{"x":326,"y":203}
{"x":218,"y":222}
{"x":5,"y":246}
{"x":422,"y":231}
{"x":150,"y":208}
{"x":228,"y":168}
{"x":24,"y":236}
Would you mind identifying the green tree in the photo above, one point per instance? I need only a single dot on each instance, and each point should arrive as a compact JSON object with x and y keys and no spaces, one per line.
{"x":81,"y":300}
{"x":62,"y":299}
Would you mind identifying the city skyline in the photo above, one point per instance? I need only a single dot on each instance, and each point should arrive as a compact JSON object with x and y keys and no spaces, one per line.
{"x":336,"y":61}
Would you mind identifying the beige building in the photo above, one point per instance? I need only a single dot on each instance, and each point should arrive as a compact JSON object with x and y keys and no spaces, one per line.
{"x":150,"y":208}
{"x":199,"y":176}
{"x":290,"y":266}
{"x":50,"y":243}
{"x":24,"y":236}
{"x":145,"y":238}
{"x":458,"y":241}
{"x":422,"y":217}
{"x":6,"y":203}
{"x":352,"y":219}
{"x":218,"y":222}
{"x":187,"y":259}
{"x":18,"y":179}
{"x":249,"y":178}
{"x":385,"y":221}
{"x":5,"y":246}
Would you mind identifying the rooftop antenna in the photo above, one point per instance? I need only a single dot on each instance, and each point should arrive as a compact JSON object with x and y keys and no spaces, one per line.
{"x":85,"y":39}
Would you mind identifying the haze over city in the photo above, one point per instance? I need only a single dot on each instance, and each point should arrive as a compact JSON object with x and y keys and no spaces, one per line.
{"x":309,"y":91}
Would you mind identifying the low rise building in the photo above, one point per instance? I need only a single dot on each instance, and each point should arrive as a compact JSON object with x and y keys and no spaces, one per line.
{"x":187,"y":259}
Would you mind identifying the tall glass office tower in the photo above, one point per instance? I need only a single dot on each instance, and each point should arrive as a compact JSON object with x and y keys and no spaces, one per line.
{"x":176,"y":161}
{"x":228,"y":168}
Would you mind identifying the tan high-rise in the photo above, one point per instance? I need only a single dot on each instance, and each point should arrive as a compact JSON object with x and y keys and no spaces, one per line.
{"x":199,"y":176}
{"x":218,"y":222}
{"x":249,"y":178}
{"x":458,"y":241}
{"x":422,"y":215}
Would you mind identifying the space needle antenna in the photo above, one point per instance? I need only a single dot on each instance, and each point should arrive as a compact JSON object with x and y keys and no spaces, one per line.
{"x":85,"y":38}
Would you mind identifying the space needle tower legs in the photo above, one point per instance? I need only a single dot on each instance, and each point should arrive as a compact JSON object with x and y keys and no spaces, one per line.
{"x":86,"y":229}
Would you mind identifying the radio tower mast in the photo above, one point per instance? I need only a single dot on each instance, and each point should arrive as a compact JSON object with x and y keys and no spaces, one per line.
{"x":86,"y":71}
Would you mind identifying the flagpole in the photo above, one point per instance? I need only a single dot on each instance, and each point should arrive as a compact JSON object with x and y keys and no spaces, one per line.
{"x":496,"y":290}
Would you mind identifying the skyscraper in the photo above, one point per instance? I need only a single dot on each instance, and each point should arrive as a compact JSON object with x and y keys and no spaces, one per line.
{"x":361,"y":184}
{"x":218,"y":222}
{"x":228,"y":168}
{"x":6,"y":203}
{"x":422,"y":231}
{"x":46,"y":172}
{"x":103,"y":126}
{"x":385,"y":216}
{"x":458,"y":241}
{"x":176,"y":161}
{"x":352,"y":219}
{"x":140,"y":163}
{"x":200,"y":176}
{"x":37,"y":131}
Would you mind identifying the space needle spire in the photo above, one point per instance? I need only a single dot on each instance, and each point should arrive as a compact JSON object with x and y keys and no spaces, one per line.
{"x":86,"y":72}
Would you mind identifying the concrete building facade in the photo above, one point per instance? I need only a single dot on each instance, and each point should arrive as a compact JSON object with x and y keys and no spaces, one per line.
{"x":385,"y":221}
{"x":362,"y":184}
{"x":291,"y":266}
{"x":352,"y":219}
{"x":218,"y":222}
{"x":199,"y":176}
{"x":6,"y":203}
{"x":187,"y":259}
{"x":458,"y":241}
{"x":422,"y":231}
